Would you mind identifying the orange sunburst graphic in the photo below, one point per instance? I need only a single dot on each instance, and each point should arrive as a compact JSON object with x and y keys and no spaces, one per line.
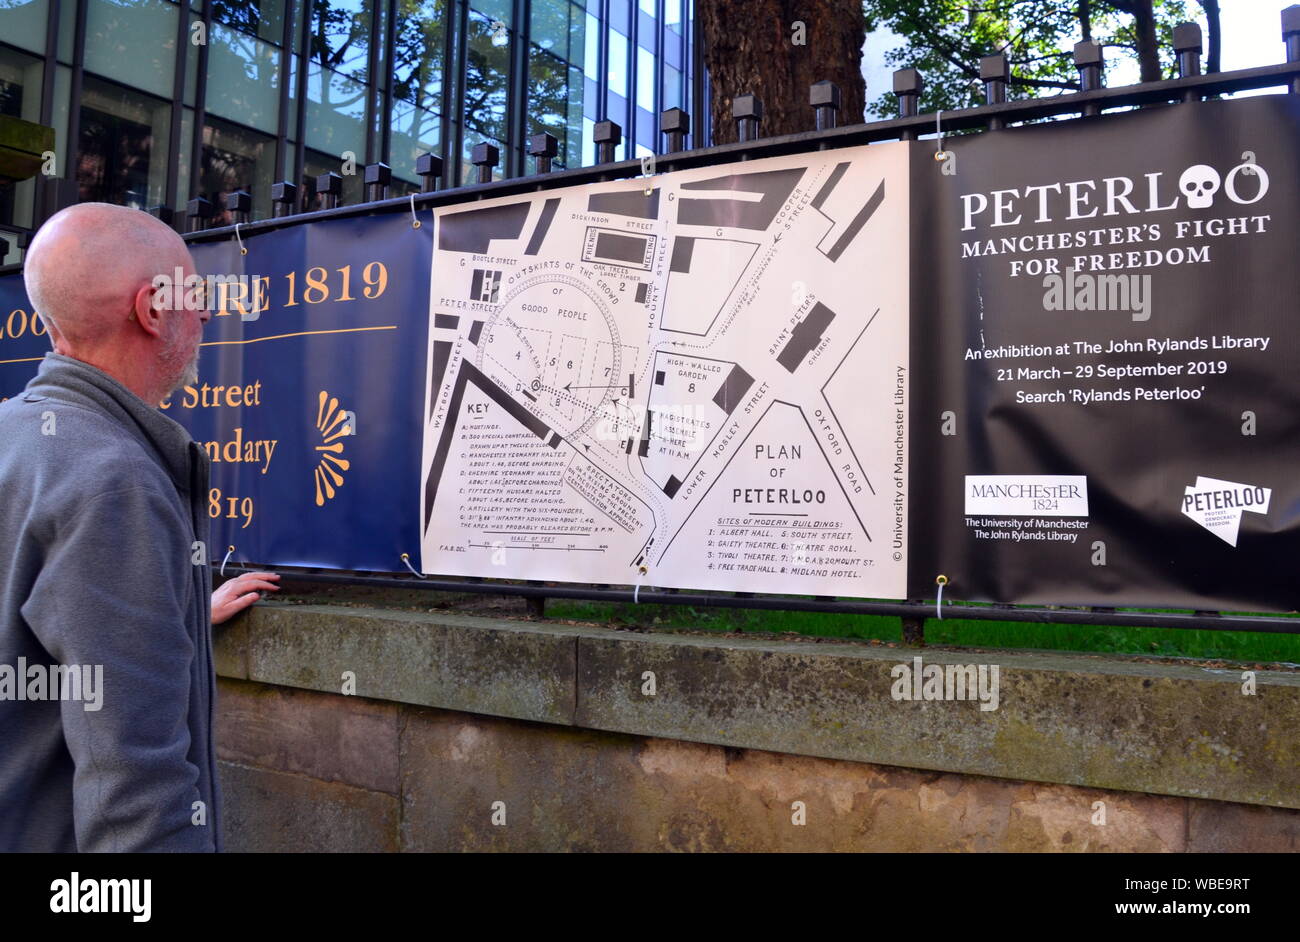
{"x":333,"y":423}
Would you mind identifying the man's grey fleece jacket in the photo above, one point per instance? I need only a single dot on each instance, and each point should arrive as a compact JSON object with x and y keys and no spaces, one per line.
{"x":104,"y":562}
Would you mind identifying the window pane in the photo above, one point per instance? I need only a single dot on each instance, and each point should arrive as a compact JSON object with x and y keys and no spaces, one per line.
{"x":67,"y":35}
{"x":616,"y":111}
{"x":236,"y":159}
{"x":336,"y":113}
{"x":578,"y":35}
{"x":314,"y":164}
{"x":591,"y":47}
{"x":291,"y":119}
{"x":123,"y":148}
{"x":645,"y":79}
{"x":487,"y":75}
{"x":646,"y":128}
{"x":59,"y":116}
{"x":620,"y":16}
{"x":673,"y":14}
{"x":20,"y":85}
{"x":554,"y":90}
{"x":550,"y":26}
{"x":340,"y":35}
{"x":261,"y":18}
{"x":494,"y":10}
{"x":558,"y":88}
{"x":22,"y":23}
{"x":184,"y":150}
{"x":132,"y":41}
{"x":572,"y":149}
{"x":618,"y":54}
{"x":415,"y":131}
{"x":243,"y":78}
{"x":20,"y":97}
{"x":421,"y":36}
{"x":192,"y":65}
{"x":672,"y":88}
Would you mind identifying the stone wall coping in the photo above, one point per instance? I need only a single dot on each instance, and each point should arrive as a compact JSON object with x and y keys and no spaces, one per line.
{"x":1097,"y":720}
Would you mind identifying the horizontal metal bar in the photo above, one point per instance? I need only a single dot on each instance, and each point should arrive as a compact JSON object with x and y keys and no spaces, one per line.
{"x":923,"y":610}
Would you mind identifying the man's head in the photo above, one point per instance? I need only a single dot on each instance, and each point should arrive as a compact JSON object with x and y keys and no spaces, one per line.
{"x":90,"y":274}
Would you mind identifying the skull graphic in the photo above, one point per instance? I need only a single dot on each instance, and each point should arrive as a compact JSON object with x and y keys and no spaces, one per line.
{"x":1199,"y":183}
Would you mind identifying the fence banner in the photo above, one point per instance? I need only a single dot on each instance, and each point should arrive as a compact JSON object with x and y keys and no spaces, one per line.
{"x":1107,"y":405}
{"x":309,"y":390}
{"x":1058,"y":366}
{"x":697,"y":380}
{"x":23,"y":341}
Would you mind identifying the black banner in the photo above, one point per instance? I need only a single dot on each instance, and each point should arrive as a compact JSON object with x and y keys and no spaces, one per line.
{"x":1106,"y":382}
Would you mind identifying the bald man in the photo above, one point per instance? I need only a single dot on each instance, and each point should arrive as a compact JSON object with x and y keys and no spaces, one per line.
{"x":105,"y":591}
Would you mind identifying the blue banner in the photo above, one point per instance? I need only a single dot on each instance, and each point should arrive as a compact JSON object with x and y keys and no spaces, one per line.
{"x":309,"y":392}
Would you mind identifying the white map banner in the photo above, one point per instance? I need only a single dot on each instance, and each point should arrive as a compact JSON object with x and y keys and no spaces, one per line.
{"x":693,"y":380}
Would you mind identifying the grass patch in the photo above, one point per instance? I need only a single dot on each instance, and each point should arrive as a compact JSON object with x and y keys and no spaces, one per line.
{"x":1175,"y":642}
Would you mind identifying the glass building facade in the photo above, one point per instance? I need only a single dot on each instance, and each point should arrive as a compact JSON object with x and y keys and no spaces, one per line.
{"x":155,"y":102}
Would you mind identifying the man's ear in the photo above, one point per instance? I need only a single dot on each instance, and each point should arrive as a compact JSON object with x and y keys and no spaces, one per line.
{"x":57,"y":341}
{"x":148,"y":314}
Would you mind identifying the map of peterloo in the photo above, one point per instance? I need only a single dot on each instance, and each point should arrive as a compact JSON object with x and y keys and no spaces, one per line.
{"x":695,"y":380}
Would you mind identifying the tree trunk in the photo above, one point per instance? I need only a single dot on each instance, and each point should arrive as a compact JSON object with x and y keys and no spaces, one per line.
{"x":1148,"y":50}
{"x":1214,"y":35}
{"x":775,"y":49}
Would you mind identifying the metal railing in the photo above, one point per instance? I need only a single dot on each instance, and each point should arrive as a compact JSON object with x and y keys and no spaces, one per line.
{"x":998,"y":113}
{"x":1093,"y":99}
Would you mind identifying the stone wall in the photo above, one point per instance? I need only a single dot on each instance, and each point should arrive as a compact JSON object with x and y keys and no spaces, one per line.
{"x":472,"y":733}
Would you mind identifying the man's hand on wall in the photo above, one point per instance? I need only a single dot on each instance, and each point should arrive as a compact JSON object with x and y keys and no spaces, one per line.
{"x":241,"y":592}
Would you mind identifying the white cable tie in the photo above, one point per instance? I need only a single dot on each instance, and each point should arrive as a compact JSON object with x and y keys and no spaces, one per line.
{"x":407,"y":559}
{"x":415,"y":224}
{"x":229,"y":552}
{"x":240,"y":240}
{"x":938,"y":606}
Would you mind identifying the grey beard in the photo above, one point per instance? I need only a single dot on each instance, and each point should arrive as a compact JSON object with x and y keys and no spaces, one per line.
{"x":190,"y":376}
